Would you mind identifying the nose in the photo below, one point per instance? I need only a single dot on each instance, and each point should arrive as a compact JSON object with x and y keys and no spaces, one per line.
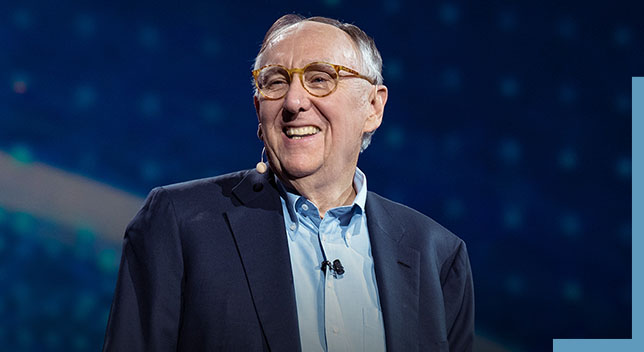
{"x":297,"y":99}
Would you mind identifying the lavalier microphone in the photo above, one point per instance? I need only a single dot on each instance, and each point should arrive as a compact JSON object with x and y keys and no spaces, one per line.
{"x":335,"y":267}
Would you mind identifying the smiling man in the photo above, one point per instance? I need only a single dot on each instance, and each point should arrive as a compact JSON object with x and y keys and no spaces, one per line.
{"x":299,"y":255}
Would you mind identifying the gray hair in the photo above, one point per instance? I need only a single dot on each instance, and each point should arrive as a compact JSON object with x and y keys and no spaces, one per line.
{"x":369,"y":54}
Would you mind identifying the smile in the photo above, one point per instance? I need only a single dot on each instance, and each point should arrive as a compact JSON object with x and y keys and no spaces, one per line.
{"x":300,"y":132}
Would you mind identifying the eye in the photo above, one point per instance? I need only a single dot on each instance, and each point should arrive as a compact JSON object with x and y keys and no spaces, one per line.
{"x":319,"y":81}
{"x":319,"y":78}
{"x":275,"y":82}
{"x":274,"y":78}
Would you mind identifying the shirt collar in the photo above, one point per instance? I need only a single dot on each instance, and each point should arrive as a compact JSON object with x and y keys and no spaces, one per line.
{"x":359,"y":183}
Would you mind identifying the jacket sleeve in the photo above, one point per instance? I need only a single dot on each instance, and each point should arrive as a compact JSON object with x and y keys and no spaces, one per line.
{"x":458,"y":293}
{"x":146,"y":310}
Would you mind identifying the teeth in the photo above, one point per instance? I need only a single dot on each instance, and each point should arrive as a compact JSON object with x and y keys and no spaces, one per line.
{"x":299,"y":132}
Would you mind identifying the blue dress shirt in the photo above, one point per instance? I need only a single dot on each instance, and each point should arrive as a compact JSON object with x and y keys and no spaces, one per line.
{"x":335,"y":312}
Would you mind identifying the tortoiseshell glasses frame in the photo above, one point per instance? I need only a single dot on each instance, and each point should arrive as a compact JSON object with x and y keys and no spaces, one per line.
{"x":318,"y":78}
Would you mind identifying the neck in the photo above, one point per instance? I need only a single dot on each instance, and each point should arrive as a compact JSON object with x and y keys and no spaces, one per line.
{"x":326,"y":195}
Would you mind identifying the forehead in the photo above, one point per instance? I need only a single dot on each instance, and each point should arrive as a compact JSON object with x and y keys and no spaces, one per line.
{"x":305,"y":42}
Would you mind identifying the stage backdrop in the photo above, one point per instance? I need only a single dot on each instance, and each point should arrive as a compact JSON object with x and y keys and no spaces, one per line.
{"x":507,"y":122}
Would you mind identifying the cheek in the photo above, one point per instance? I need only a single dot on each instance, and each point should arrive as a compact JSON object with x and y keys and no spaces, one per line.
{"x":358,"y":100}
{"x":267,"y":113}
{"x":351,"y":102}
{"x":355,"y":113}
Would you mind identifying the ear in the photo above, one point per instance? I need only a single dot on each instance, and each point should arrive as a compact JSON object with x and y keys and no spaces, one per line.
{"x":377,"y":101}
{"x":256,"y":102}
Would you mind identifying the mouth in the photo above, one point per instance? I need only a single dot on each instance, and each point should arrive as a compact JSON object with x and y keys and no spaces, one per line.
{"x":300,"y":132}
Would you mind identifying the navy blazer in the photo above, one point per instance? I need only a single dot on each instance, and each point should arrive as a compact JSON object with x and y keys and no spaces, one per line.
{"x":206,"y":267}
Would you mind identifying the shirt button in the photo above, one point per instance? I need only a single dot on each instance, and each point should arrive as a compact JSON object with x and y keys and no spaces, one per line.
{"x":335,"y":330}
{"x":292,"y":227}
{"x":329,"y":283}
{"x":305,"y":207}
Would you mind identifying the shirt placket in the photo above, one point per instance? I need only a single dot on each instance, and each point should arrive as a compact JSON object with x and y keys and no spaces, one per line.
{"x":336,"y":338}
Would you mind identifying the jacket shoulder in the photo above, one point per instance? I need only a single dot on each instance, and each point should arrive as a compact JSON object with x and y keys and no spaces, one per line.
{"x":211,"y":192}
{"x":226,"y":181}
{"x":419,"y":229}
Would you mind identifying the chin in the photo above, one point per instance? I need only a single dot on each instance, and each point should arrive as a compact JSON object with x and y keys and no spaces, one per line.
{"x":299,"y":171}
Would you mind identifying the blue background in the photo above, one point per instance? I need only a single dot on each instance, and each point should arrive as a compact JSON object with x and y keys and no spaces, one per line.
{"x":508,"y":123}
{"x":636,"y":343}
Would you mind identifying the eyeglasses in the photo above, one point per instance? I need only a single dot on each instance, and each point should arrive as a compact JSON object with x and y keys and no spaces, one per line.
{"x":318,"y":78}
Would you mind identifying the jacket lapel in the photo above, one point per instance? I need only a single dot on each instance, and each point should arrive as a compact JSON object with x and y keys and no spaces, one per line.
{"x":258,"y":228}
{"x":397,"y":276}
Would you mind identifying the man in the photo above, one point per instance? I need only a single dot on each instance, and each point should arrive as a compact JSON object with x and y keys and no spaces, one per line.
{"x":301,"y":257}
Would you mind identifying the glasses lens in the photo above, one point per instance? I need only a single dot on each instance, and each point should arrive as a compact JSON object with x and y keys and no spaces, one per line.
{"x":320,"y":79}
{"x":273,"y":81}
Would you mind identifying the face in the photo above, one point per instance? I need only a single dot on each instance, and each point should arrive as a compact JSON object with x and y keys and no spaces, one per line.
{"x":312,"y":136}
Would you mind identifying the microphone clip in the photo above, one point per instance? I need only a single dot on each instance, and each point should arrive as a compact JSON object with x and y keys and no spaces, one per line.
{"x":336,"y":267}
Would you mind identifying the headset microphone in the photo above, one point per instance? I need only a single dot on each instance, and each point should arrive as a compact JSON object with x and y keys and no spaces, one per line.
{"x":261,"y":166}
